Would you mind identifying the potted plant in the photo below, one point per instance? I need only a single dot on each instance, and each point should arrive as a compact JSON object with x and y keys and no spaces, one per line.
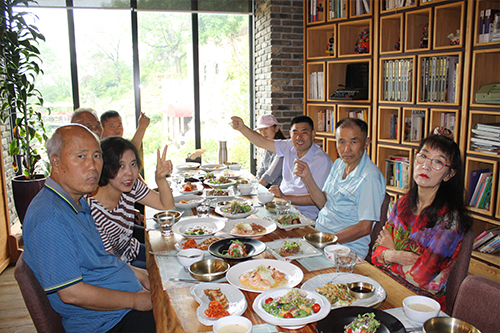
{"x":20,"y":100}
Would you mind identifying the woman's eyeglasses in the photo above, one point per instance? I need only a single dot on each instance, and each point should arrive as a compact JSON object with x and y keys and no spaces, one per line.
{"x":435,"y":164}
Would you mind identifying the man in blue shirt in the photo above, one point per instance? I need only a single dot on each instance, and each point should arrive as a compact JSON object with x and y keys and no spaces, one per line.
{"x":300,"y":147}
{"x":351,"y":198}
{"x":91,"y":289}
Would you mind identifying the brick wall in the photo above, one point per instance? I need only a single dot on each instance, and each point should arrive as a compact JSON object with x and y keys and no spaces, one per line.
{"x":9,"y":172}
{"x":279,"y":53}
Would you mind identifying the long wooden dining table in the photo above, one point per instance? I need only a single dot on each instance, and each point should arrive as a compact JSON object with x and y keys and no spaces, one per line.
{"x":175,"y":309}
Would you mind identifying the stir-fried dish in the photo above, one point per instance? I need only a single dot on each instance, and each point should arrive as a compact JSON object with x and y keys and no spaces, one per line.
{"x":338,"y":294}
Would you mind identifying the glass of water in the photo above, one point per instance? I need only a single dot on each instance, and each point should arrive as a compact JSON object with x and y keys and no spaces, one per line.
{"x":203,"y":209}
{"x":345,"y":261}
{"x":283,"y":207}
{"x":166,"y":223}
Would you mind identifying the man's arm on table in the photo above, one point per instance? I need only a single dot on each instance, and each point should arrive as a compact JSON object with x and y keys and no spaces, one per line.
{"x":349,"y":234}
{"x":103,"y":299}
{"x":252,"y":136}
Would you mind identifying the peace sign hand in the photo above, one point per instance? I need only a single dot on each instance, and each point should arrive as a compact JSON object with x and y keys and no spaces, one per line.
{"x":163,"y":166}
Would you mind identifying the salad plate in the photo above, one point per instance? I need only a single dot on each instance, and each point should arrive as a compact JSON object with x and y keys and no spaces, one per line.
{"x":340,"y":317}
{"x":221,"y":248}
{"x":187,"y":166}
{"x":237,"y":302}
{"x":196,"y":188}
{"x":291,"y":323}
{"x":268,"y":225}
{"x":187,"y":201}
{"x":222,"y":210}
{"x":320,"y":280}
{"x":213,"y":167}
{"x":214,"y":203}
{"x":293,"y":274}
{"x":306,"y":249}
{"x":198,"y":227}
{"x":226,"y":184}
{"x":201,"y":243}
{"x":284,"y":221}
{"x":219,"y":193}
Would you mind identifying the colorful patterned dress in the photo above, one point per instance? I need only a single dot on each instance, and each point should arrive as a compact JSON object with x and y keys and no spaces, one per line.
{"x":438,"y":248}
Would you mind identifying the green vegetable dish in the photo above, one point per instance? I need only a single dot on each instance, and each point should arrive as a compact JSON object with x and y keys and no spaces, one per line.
{"x":237,"y":207}
{"x":293,"y":304}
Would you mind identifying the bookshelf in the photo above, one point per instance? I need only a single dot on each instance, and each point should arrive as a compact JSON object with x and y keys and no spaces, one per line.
{"x":474,"y":63}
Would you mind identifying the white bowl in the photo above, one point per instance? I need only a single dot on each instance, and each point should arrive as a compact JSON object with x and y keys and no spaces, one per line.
{"x":235,"y":166}
{"x":227,"y":324}
{"x":424,"y":303}
{"x":330,"y":249}
{"x":186,"y":262}
{"x":245,"y":189}
{"x":265,"y":197}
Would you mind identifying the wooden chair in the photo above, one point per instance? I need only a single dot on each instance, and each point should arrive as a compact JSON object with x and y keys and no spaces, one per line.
{"x":45,"y":318}
{"x":378,"y":226}
{"x":459,"y":271}
{"x":478,"y":303}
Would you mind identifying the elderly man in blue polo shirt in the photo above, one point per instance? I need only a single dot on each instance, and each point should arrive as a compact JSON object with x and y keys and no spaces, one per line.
{"x":300,"y":147}
{"x":351,"y":198}
{"x":91,"y":289}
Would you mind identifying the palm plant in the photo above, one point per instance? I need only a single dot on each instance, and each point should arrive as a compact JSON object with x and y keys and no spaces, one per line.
{"x":20,"y":99}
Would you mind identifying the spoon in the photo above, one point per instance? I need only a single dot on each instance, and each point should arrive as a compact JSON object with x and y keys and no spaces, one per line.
{"x":174,"y":255}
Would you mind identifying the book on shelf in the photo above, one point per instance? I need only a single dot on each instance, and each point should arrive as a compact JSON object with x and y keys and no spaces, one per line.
{"x":448,"y":120}
{"x":495,"y":34}
{"x":486,"y":134}
{"x":417,"y":125}
{"x":361,"y":7}
{"x":484,"y":195}
{"x":360,"y":114}
{"x":485,"y":236}
{"x":473,"y":179}
{"x":393,"y":126}
{"x":316,"y":85}
{"x":393,"y":4}
{"x":396,"y":79}
{"x":489,"y":24}
{"x":397,"y":171}
{"x":479,"y":187}
{"x":494,"y":127}
{"x":439,"y":75}
{"x":489,"y":245}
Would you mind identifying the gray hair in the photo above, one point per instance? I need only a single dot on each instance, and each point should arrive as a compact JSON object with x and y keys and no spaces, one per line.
{"x":55,"y":143}
{"x":79,"y":111}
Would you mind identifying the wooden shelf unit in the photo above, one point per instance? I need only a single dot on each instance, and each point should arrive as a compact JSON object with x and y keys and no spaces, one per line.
{"x":478,"y":65}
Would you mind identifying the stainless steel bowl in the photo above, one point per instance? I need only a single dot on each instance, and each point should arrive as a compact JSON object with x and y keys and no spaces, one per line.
{"x":177,"y":215}
{"x":209,"y":270}
{"x":320,"y":239}
{"x":271,"y":206}
{"x":158,"y":217}
{"x":361,"y":289}
{"x":448,"y":325}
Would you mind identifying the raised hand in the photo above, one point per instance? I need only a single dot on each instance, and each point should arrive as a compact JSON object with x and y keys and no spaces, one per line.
{"x":237,"y":123}
{"x":163,"y":166}
{"x":144,"y":120}
{"x":301,"y":169}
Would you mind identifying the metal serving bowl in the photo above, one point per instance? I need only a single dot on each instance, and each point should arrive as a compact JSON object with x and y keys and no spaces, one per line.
{"x":177,"y":215}
{"x":209,"y":269}
{"x":271,"y":206}
{"x":161,"y":215}
{"x":320,"y":239}
{"x":361,"y":289}
{"x":448,"y":325}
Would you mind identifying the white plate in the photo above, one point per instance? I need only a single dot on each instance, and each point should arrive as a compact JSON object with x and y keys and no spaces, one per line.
{"x":213,"y":167}
{"x":214,"y":225}
{"x":304,"y":221}
{"x":187,"y":166}
{"x":290,"y":323}
{"x":231,"y":174}
{"x":237,"y":301}
{"x":199,"y":188}
{"x":294,"y":275}
{"x":187,"y":197}
{"x":226,"y":185}
{"x":213,"y":202}
{"x":306,"y":249}
{"x":178,"y":245}
{"x":320,"y":280}
{"x":219,"y":211}
{"x":229,"y":191}
{"x":270,"y":227}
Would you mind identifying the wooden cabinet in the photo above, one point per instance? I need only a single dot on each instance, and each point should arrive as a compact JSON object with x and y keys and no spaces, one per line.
{"x":426,"y":63}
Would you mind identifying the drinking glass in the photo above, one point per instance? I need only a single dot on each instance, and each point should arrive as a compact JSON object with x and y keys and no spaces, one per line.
{"x":178,"y":180}
{"x":283,"y":207}
{"x":166,"y":223}
{"x":345,"y":261}
{"x":203,"y":209}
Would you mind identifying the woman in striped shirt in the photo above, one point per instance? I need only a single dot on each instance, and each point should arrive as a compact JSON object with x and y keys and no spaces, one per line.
{"x":112,"y":205}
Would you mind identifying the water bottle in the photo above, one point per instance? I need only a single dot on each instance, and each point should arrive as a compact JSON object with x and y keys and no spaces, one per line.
{"x":222,"y":152}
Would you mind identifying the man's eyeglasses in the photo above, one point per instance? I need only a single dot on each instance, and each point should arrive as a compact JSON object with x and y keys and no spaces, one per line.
{"x":435,"y":164}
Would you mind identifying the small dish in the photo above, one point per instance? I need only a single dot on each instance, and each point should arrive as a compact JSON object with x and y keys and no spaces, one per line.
{"x":187,"y":201}
{"x":245,"y":189}
{"x":304,"y":221}
{"x":268,"y":225}
{"x":265,"y":197}
{"x":213,"y":167}
{"x":219,"y":210}
{"x":234,"y":166}
{"x":196,"y":188}
{"x":189,"y":256}
{"x":229,"y":183}
{"x":306,"y":249}
{"x":233,"y":324}
{"x":271,"y":206}
{"x":361,"y":290}
{"x":329,"y":251}
{"x":420,"y":308}
{"x":209,"y":269}
{"x":320,"y":239}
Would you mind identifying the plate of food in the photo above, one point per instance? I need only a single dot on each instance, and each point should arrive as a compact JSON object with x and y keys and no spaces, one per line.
{"x":198,"y":227}
{"x":213,"y":167}
{"x":236,"y":209}
{"x":253,"y":228}
{"x":231,"y":174}
{"x":221,"y":201}
{"x":291,"y":221}
{"x":187,"y":201}
{"x":369,"y":319}
{"x":199,"y":243}
{"x":292,"y":248}
{"x":240,"y":248}
{"x":219,"y":193}
{"x":334,"y":287}
{"x":191,"y":188}
{"x":187,"y":166}
{"x":219,"y":182}
{"x":231,"y":301}
{"x":291,"y":308}
{"x":259,"y":275}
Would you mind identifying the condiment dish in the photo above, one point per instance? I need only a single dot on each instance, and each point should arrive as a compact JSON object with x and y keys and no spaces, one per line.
{"x":233,"y":324}
{"x":420,"y":308}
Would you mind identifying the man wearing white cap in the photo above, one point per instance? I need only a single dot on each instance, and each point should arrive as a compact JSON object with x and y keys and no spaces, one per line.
{"x":300,"y":147}
{"x":269,"y":173}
